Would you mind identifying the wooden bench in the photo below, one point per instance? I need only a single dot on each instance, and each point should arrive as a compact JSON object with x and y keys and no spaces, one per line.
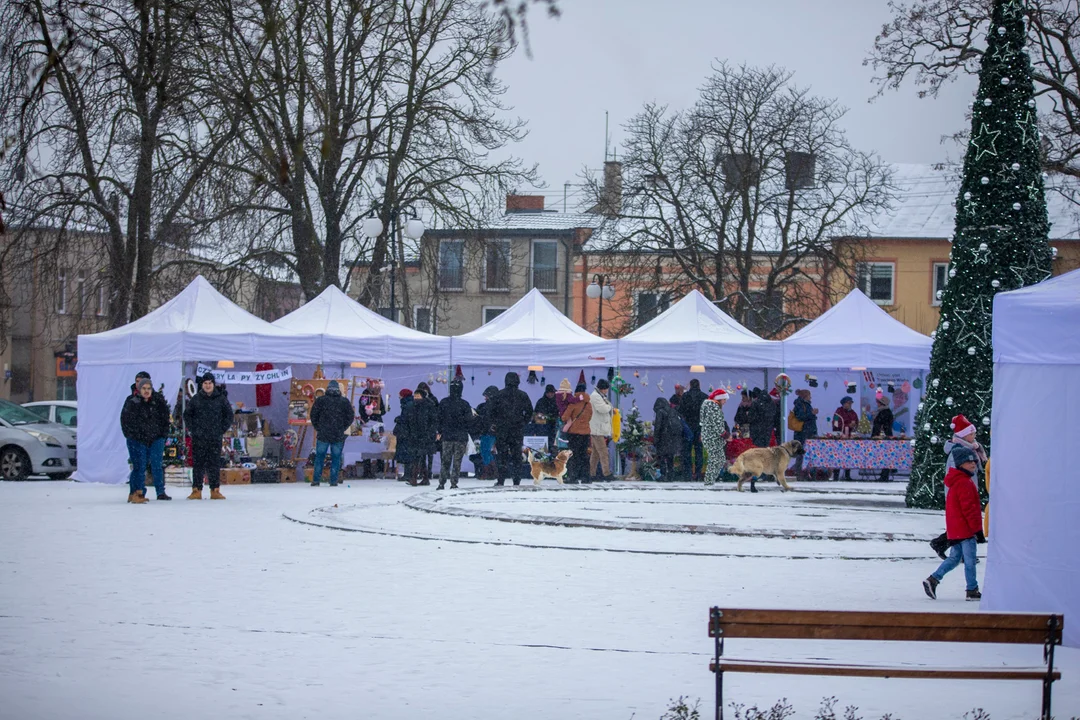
{"x":1005,"y":628}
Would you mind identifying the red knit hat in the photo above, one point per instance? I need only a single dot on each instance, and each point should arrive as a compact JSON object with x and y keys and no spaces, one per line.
{"x":404,"y":393}
{"x":961,"y":426}
{"x":718,"y":394}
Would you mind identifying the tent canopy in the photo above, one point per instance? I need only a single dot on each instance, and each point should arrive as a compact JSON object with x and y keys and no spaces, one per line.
{"x":1035,"y":497}
{"x":694,"y":331}
{"x":857,"y":333}
{"x":198,"y":324}
{"x":352,"y":332}
{"x":533,"y":332}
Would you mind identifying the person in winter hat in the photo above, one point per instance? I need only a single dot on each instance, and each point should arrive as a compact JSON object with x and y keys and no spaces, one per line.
{"x":882,"y":427}
{"x":600,"y":430}
{"x":562,"y":397}
{"x":677,"y":396}
{"x":762,"y":418}
{"x":963,"y":436}
{"x":408,"y":429}
{"x":690,"y":409}
{"x":742,"y":413}
{"x":845,"y":422}
{"x":963,"y":523}
{"x":577,"y":424}
{"x":331,"y":415}
{"x":807,"y":414}
{"x":484,"y":428}
{"x":455,"y":415}
{"x":714,"y":435}
{"x":547,"y":407}
{"x":208,"y":417}
{"x":144,"y":420}
{"x":512,"y":411}
{"x":429,"y":412}
{"x":667,"y":437}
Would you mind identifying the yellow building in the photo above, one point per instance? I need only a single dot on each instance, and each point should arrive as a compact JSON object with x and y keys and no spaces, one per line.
{"x":905,"y":258}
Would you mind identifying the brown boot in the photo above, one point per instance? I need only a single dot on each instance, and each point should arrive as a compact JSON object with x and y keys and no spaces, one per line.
{"x":196,"y":494}
{"x":137,"y":498}
{"x":215,"y":494}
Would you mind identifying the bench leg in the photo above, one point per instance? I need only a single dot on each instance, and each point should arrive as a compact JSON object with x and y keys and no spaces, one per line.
{"x":1048,"y":685}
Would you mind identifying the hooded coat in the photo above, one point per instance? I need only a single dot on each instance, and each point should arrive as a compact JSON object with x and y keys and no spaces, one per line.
{"x":690,"y":406}
{"x":331,"y":415}
{"x":804,"y":411}
{"x":667,"y":428}
{"x":144,"y":421}
{"x":208,"y":417}
{"x":407,"y":430}
{"x":963,"y":512}
{"x":547,"y":406}
{"x":762,"y":419}
{"x":426,"y":424}
{"x":512,"y":409}
{"x":483,"y":423}
{"x":455,"y":415}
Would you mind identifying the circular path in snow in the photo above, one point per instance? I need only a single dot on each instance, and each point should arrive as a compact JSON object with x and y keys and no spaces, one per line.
{"x":826,"y":520}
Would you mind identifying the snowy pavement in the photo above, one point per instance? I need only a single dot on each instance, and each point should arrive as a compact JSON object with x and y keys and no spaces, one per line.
{"x":229,"y":609}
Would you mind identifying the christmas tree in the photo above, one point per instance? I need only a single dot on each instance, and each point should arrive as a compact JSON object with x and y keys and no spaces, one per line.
{"x":1000,"y":244}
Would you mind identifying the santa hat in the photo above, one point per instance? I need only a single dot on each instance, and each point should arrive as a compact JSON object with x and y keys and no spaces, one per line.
{"x":774,"y":394}
{"x":457,"y":372}
{"x":961,"y":426}
{"x":718,"y":394}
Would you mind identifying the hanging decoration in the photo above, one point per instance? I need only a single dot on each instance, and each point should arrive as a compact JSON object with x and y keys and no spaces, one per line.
{"x":782,"y":383}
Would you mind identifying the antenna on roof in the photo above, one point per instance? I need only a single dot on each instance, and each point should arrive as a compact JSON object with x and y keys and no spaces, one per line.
{"x":607,"y":136}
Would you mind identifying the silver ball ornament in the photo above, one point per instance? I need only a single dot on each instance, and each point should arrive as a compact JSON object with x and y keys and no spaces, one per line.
{"x":1053,"y":252}
{"x":986,"y":421}
{"x":1031,"y":103}
{"x":945,"y":325}
{"x":952,"y":272}
{"x":983,"y":247}
{"x":920,"y":409}
{"x":1017,"y":206}
{"x":1005,"y":81}
{"x":935,"y":382}
{"x":995,"y":283}
{"x":913,"y":442}
{"x":926,"y":427}
{"x":1015,"y":166}
{"x":933,"y":335}
{"x":984,"y":180}
{"x":1045,"y":176}
{"x":949,"y":401}
{"x":933,"y":439}
{"x":1001,"y":30}
{"x":967,"y":196}
{"x":988,"y":102}
{"x":971,"y":351}
{"x":939,"y":294}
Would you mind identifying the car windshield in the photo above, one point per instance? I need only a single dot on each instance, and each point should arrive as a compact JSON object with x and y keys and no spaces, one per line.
{"x":17,"y":415}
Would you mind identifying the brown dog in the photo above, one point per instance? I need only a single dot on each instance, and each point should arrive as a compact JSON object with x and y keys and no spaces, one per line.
{"x":555,"y":469}
{"x":756,"y":462}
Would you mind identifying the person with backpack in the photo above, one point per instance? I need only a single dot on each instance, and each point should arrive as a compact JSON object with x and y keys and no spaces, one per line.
{"x":455,"y":416}
{"x":667,"y":437}
{"x":802,"y":420}
{"x":577,"y":426}
{"x":331,"y":416}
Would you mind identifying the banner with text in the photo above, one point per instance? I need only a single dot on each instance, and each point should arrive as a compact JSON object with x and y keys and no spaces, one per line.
{"x":249,"y":377}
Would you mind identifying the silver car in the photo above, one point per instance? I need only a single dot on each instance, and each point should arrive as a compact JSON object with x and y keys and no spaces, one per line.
{"x":61,"y":412}
{"x":30,"y":445}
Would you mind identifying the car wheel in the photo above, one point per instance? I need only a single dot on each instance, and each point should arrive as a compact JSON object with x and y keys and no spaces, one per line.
{"x":14,"y":464}
{"x":60,"y":476}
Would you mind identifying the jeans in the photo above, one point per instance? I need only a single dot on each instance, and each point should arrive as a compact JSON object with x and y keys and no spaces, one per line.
{"x":450,"y":461}
{"x":964,"y":550}
{"x":139,"y":455}
{"x":487,"y":444}
{"x":320,"y":457}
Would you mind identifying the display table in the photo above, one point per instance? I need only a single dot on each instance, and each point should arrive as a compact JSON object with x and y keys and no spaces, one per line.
{"x":858,"y":454}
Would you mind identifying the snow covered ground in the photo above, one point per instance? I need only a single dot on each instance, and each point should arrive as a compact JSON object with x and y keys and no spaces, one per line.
{"x":232,"y":610}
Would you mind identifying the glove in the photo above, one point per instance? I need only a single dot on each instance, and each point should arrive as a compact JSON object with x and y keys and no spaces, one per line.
{"x":980,"y":538}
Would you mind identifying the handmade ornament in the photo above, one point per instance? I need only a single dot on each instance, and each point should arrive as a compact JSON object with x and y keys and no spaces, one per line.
{"x":850,"y":386}
{"x":811,"y":380}
{"x":782,"y":383}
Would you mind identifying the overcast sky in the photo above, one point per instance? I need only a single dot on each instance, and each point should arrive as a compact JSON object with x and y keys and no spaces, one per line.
{"x":615,"y":55}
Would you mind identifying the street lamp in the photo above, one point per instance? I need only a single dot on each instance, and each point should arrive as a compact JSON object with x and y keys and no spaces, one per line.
{"x":414,"y":228}
{"x":601,"y":288}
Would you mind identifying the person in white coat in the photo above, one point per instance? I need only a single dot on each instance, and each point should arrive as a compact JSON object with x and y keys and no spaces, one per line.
{"x":600,"y":429}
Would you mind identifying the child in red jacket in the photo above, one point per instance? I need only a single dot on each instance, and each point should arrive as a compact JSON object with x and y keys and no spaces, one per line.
{"x":963,"y":523}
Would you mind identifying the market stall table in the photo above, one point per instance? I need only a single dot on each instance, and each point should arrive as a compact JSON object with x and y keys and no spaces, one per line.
{"x":858,"y":454}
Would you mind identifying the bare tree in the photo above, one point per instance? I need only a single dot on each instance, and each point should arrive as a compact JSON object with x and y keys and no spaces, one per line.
{"x":741,"y":197}
{"x":931,"y":42}
{"x":107,"y":128}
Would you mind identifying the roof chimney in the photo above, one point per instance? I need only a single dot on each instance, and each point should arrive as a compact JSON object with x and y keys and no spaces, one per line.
{"x":611,"y":196}
{"x":524,"y":203}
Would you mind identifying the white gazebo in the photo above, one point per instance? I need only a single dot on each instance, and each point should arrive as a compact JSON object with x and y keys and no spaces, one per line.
{"x":1031,"y":563}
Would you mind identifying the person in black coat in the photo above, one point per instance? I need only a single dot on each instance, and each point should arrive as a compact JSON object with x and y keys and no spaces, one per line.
{"x":511,"y":412}
{"x":667,"y":437}
{"x":208,"y":416}
{"x":429,"y":410}
{"x":690,"y":409}
{"x":407,"y":430}
{"x":547,"y":407}
{"x":331,"y":415}
{"x":145,"y":421}
{"x":762,"y":418}
{"x":455,"y":417}
{"x":883,"y":422}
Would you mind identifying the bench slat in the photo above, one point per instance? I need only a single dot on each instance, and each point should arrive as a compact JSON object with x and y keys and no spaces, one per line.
{"x":911,"y":634}
{"x":796,"y":668}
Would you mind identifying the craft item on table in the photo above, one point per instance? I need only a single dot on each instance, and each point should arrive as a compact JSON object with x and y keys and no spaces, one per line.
{"x":255,"y":446}
{"x":290,"y":439}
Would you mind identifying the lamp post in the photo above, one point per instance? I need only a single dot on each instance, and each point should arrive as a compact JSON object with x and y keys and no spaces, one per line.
{"x":601,"y":288}
{"x":414,"y":228}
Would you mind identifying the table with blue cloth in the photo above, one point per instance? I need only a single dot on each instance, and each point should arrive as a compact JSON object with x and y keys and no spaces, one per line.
{"x":858,"y":454}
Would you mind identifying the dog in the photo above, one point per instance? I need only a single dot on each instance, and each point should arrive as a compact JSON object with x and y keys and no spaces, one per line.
{"x":554,"y":469}
{"x":756,"y":462}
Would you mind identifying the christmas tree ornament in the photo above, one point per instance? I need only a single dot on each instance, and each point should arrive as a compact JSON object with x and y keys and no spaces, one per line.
{"x":988,"y":102}
{"x":983,"y":247}
{"x":926,"y":426}
{"x":1005,"y":81}
{"x":917,"y":383}
{"x":1001,"y":30}
{"x":912,"y":442}
{"x":945,"y":325}
{"x":949,"y":401}
{"x":986,"y":421}
{"x":1015,"y":167}
{"x":936,"y":382}
{"x":952,"y":272}
{"x":967,"y":196}
{"x":1017,"y":206}
{"x":984,"y":180}
{"x":933,"y":439}
{"x":995,"y":283}
{"x":933,"y":334}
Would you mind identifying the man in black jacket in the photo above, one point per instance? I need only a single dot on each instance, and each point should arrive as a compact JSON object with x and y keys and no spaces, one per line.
{"x":762,"y":418}
{"x":145,"y":421}
{"x":331,"y":416}
{"x":690,"y":409}
{"x":208,"y":416}
{"x":455,"y":417}
{"x":511,"y":412}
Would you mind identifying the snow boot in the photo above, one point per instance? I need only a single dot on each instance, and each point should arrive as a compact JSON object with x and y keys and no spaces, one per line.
{"x":836,"y":475}
{"x":498,"y":483}
{"x":424,"y":482}
{"x":453,"y":486}
{"x":442,"y":486}
{"x":974,"y":594}
{"x":314,"y":483}
{"x":163,"y":496}
{"x":196,"y":494}
{"x":930,"y":586}
{"x":137,"y":498}
{"x":847,"y":475}
{"x":215,"y":494}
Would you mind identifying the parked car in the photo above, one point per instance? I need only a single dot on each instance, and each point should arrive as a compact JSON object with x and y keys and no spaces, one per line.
{"x":30,"y":445}
{"x":61,"y":412}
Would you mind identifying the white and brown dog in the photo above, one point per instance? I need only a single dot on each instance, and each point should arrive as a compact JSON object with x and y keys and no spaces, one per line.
{"x":756,"y":462}
{"x":555,"y":469}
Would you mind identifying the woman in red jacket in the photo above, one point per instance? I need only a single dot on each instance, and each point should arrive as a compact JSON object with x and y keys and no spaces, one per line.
{"x":963,"y":523}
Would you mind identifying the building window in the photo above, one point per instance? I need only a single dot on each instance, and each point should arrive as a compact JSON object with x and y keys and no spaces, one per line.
{"x":102,"y":300}
{"x":766,"y":313}
{"x":65,"y":388}
{"x":649,"y":305}
{"x":423,"y":319}
{"x":545,"y":269}
{"x":940,"y":279}
{"x":61,"y":294}
{"x":386,"y":313}
{"x":80,"y":294}
{"x":876,"y":279}
{"x":451,"y":265}
{"x":497,"y":265}
{"x":490,"y":313}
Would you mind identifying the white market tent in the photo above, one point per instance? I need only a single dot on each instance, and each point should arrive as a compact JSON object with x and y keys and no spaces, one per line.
{"x":1035,"y":488}
{"x":198,"y":324}
{"x":533,"y":332}
{"x":856,"y":333}
{"x":351,"y":332}
{"x":694,"y":331}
